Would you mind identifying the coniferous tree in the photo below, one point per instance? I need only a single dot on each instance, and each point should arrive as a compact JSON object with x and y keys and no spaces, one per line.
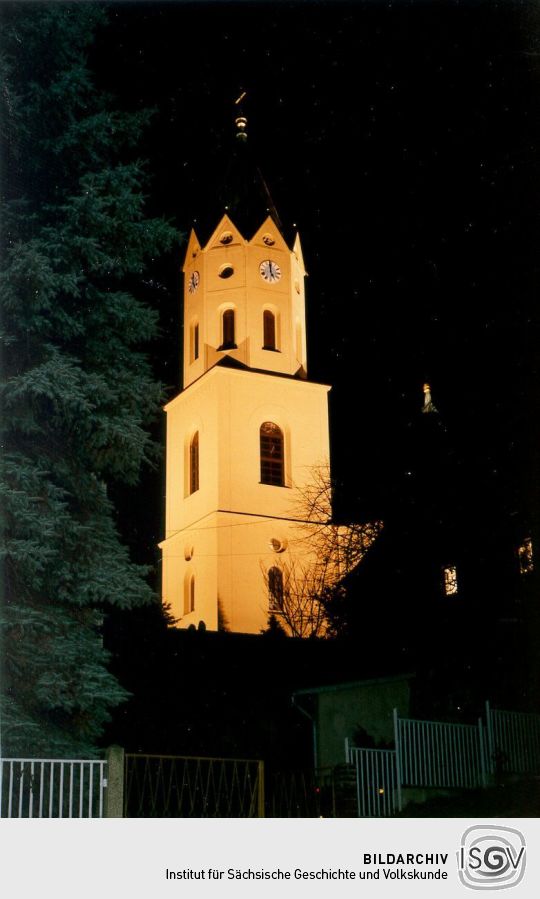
{"x":77,"y":391}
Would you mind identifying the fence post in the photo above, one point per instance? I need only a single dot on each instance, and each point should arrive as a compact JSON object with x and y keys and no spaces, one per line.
{"x":114,"y":793}
{"x":398,"y":758}
{"x":482,"y":747}
{"x":490,"y":739}
{"x":260,"y":790}
{"x":347,"y":752}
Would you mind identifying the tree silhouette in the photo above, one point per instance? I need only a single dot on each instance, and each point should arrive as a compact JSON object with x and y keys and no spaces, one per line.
{"x":320,"y":554}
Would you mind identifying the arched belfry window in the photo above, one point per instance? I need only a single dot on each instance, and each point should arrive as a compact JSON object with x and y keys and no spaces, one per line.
{"x":228,"y":329}
{"x":275,"y":589}
{"x":269,"y":330}
{"x":272,"y":459}
{"x":194,"y":463}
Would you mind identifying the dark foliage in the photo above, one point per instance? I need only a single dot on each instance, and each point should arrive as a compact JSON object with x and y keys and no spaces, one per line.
{"x":77,"y":391}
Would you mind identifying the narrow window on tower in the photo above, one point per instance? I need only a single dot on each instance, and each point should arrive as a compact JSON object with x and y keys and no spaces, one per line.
{"x":194,"y":341}
{"x":272,"y":462}
{"x":194,"y":463}
{"x":228,"y":336}
{"x":275,"y":590}
{"x":269,"y":330}
{"x":525,"y":556}
{"x":189,"y":594}
{"x":450,"y":580}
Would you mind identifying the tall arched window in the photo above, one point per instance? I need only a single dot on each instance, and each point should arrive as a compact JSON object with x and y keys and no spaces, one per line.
{"x":189,"y":594}
{"x":269,"y":330}
{"x":272,"y":463}
{"x":228,"y":341}
{"x":194,"y":463}
{"x":194,"y":340}
{"x":275,"y":590}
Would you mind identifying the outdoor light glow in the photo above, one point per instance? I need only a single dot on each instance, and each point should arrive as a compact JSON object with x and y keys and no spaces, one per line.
{"x":525,"y":555}
{"x":450,"y":581}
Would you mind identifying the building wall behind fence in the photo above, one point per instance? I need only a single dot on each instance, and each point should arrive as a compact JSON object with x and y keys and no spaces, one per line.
{"x":341,"y":711}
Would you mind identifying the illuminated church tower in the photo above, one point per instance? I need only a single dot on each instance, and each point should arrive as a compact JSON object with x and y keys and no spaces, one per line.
{"x":245,"y":434}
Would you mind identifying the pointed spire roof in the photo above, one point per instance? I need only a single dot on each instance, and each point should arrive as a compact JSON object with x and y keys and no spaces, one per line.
{"x":244,"y":194}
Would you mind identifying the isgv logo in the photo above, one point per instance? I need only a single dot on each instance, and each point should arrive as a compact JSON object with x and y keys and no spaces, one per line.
{"x":491,"y":858}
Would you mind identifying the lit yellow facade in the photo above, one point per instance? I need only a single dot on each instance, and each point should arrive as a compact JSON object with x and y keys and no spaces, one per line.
{"x":224,"y":528}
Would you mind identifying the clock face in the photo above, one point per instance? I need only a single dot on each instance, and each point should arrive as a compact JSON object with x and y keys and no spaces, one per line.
{"x":270,"y":271}
{"x":194,"y":279}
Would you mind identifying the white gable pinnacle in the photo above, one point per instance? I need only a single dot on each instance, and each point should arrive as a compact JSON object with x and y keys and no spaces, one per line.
{"x":297,"y":250}
{"x":193,"y":249}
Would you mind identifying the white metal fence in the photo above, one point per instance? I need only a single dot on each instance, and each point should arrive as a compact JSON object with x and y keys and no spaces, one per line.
{"x":513,"y":741}
{"x":52,"y":788}
{"x":436,"y":754}
{"x":376,"y":781}
{"x":440,"y":754}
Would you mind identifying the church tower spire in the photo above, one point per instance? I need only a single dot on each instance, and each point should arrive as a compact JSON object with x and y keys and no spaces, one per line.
{"x":247,"y":431}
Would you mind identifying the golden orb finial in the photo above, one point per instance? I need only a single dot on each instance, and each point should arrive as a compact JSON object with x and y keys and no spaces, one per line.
{"x":240,"y":120}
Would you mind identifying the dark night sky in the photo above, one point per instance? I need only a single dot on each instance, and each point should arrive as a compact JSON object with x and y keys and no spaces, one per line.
{"x":401,"y":138}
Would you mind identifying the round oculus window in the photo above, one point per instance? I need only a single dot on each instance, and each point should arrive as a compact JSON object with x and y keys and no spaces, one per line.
{"x":226,"y":271}
{"x":226,"y":237}
{"x":277,"y":545}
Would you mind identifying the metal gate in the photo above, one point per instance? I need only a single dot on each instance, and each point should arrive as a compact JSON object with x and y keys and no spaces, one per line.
{"x":514,"y":741}
{"x":376,"y":781}
{"x":169,"y":786}
{"x":52,"y":788}
{"x":301,"y":793}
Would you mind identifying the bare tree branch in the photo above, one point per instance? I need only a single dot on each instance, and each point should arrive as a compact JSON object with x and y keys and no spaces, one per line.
{"x":319,"y":557}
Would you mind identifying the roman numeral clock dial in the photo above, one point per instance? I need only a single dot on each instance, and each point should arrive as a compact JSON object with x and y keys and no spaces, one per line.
{"x":270,"y":271}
